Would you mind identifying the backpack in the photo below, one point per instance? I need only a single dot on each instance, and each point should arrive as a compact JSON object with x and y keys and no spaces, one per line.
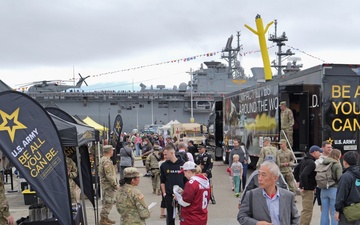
{"x":296,"y":171}
{"x":182,"y":155}
{"x":324,"y":177}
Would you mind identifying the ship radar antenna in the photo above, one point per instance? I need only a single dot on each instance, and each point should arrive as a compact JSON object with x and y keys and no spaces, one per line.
{"x":281,"y":56}
{"x":230,"y":55}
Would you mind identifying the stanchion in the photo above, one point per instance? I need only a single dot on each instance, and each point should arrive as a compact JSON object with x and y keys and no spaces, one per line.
{"x":11,"y":180}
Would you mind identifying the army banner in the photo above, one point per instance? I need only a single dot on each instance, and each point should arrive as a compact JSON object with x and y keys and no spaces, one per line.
{"x":30,"y":140}
{"x":117,"y":128}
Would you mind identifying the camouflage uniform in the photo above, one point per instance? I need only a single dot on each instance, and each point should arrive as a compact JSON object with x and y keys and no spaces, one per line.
{"x":265,"y":151}
{"x":4,"y":206}
{"x":72,"y":172}
{"x":108,"y":184}
{"x":285,"y":156}
{"x":131,"y":205}
{"x":152,"y":164}
{"x":287,"y":122}
{"x":130,"y":202}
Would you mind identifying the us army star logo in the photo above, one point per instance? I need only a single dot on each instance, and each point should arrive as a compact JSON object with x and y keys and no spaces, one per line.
{"x":118,"y":127}
{"x":11,"y":123}
{"x":330,"y":140}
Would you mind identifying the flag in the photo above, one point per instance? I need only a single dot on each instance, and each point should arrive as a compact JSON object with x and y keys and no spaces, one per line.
{"x":30,"y":140}
{"x":117,"y":128}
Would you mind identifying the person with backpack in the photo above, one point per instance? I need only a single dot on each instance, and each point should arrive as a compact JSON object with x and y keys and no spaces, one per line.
{"x":328,"y":174}
{"x":327,"y":148}
{"x":152,"y":167}
{"x":186,"y":156}
{"x":307,"y":183}
{"x":348,"y":192}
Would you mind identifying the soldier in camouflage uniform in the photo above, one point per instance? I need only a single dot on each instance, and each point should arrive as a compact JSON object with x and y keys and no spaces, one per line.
{"x":266,"y":150}
{"x":285,"y":160}
{"x":108,"y":184}
{"x":5,"y":217}
{"x":130,"y":202}
{"x":152,"y":164}
{"x":72,"y":173}
{"x":287,"y":122}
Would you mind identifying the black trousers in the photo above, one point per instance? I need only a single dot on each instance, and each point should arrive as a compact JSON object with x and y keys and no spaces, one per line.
{"x":169,"y":202}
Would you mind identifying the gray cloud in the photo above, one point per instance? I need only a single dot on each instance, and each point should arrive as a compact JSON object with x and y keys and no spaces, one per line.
{"x":62,"y":33}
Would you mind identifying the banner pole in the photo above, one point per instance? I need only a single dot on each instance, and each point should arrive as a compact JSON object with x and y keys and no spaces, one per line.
{"x":83,"y":208}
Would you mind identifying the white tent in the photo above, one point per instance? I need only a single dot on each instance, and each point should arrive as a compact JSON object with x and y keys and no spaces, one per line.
{"x":165,"y":130}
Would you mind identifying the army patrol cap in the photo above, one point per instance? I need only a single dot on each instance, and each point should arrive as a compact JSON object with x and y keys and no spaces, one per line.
{"x":156,"y":147}
{"x":282,"y":141}
{"x":131,"y":172}
{"x":107,"y":148}
{"x":283,"y":103}
{"x":267,"y":139}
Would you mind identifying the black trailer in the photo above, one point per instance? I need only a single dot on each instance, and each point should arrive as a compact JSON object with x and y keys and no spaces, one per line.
{"x":324,"y":100}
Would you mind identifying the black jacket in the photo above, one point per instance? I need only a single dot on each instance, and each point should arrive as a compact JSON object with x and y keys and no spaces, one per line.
{"x":170,"y":176}
{"x":307,"y":173}
{"x":206,"y":161}
{"x":348,"y":191}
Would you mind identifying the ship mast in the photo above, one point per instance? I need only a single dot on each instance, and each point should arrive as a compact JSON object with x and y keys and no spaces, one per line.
{"x":279,"y":40}
{"x":230,"y":55}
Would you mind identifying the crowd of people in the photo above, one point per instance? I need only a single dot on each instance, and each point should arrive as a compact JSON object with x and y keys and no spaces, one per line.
{"x":168,"y":163}
{"x":177,"y":174}
{"x":319,"y":174}
{"x":182,"y":177}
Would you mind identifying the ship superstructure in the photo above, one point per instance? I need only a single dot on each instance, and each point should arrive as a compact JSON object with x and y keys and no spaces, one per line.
{"x":157,"y":105}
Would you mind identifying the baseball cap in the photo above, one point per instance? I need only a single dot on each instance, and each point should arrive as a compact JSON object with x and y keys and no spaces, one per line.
{"x":270,"y":158}
{"x":315,"y":148}
{"x":281,"y":141}
{"x":188,"y":166}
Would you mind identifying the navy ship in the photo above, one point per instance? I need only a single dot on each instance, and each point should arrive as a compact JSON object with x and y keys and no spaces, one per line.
{"x":186,"y":102}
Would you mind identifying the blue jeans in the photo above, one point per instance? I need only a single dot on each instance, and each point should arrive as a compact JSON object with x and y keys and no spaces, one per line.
{"x":137,"y":147}
{"x":328,"y":197}
{"x":245,"y":168}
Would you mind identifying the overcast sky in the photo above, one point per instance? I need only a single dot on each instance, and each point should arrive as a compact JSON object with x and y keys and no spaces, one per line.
{"x":52,"y":40}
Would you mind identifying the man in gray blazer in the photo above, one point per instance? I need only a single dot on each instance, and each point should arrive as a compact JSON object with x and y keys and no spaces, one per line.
{"x":268,"y":204}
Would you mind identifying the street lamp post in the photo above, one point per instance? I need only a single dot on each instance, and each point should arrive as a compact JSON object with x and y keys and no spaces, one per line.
{"x":192,"y":120}
{"x":137,"y":118}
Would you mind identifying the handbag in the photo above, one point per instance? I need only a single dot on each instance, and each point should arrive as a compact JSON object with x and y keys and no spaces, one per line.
{"x":351,"y":212}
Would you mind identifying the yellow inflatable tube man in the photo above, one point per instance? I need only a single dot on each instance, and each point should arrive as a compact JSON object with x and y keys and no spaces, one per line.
{"x":263,"y":48}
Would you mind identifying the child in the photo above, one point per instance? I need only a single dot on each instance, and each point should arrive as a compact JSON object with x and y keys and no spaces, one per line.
{"x":236,"y":172}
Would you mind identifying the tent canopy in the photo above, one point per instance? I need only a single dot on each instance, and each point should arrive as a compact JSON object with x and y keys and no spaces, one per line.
{"x":85,"y":133}
{"x":4,"y":86}
{"x":94,"y":124}
{"x":67,"y":131}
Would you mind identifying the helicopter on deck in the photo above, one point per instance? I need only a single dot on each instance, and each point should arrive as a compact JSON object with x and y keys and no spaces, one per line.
{"x":54,"y":86}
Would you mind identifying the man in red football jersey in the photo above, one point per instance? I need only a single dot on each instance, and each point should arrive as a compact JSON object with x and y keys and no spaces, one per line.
{"x":195,"y":197}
